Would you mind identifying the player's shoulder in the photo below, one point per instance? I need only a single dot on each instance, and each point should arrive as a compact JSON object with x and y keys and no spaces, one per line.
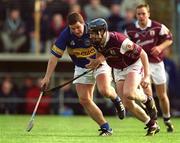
{"x":66,"y":31}
{"x":156,"y":24}
{"x":64,"y":35}
{"x":117,"y":36}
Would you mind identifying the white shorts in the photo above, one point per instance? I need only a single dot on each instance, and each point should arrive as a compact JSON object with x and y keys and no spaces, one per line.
{"x":136,"y":67}
{"x":158,"y":73}
{"x":90,"y":78}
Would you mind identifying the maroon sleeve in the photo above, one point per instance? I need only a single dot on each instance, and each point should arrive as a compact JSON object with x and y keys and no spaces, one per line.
{"x":135,"y":53}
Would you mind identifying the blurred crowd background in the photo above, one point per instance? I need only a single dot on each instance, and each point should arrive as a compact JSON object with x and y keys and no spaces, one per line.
{"x":27,"y":31}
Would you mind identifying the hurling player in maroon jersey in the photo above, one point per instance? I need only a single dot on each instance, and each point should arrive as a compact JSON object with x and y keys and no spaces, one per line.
{"x":153,"y":37}
{"x":128,"y":60}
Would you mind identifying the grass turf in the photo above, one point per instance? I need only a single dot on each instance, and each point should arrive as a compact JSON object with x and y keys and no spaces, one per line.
{"x":80,"y":129}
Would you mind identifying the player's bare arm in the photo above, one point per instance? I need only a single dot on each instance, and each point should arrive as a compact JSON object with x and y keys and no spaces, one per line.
{"x":128,"y":45}
{"x":158,"y":49}
{"x":50,"y":69}
{"x":145,"y":80}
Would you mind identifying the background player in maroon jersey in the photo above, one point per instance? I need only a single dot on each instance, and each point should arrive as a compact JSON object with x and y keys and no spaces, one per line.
{"x":153,"y":37}
{"x":128,"y":60}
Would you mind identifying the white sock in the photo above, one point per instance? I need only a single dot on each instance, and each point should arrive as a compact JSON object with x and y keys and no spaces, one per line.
{"x":166,"y":115}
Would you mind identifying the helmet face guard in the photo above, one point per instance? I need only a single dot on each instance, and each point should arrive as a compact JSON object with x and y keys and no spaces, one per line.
{"x":97,"y":29}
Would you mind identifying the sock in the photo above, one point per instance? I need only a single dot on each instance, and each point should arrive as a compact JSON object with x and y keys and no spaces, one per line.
{"x":151,"y":123}
{"x":116,"y":100}
{"x":148,"y":98}
{"x":105,"y":126}
{"x":166,"y":119}
{"x":140,"y":95}
{"x":166,"y":115}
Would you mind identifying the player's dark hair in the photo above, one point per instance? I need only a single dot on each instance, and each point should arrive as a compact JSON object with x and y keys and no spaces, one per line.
{"x":143,"y":5}
{"x":73,"y":18}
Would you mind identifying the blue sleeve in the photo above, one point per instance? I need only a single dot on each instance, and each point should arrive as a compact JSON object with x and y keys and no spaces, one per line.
{"x":60,"y":44}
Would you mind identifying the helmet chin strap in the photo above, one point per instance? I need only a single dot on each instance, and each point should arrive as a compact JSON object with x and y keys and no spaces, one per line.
{"x":104,"y":37}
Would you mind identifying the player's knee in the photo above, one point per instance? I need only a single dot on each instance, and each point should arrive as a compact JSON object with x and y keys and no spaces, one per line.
{"x":129,"y":95}
{"x":84,"y":101}
{"x":128,"y":104}
{"x":105,"y":93}
{"x":163,"y":97}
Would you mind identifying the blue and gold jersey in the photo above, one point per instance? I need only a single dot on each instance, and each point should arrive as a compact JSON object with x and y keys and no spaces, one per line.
{"x":78,"y":48}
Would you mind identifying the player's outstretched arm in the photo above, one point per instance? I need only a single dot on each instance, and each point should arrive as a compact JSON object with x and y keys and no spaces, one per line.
{"x":144,"y":59}
{"x":50,"y":69}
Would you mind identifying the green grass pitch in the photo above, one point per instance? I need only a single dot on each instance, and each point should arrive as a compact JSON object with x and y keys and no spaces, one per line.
{"x":80,"y":129}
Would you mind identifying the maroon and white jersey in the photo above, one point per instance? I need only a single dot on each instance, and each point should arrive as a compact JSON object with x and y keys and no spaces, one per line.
{"x":153,"y":35}
{"x":119,"y":51}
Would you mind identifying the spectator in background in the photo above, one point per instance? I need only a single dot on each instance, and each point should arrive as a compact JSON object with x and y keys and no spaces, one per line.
{"x":2,"y":19}
{"x":77,"y":8}
{"x":175,"y":106}
{"x":95,"y":9}
{"x":70,"y":94}
{"x":129,"y":16}
{"x":31,"y":99}
{"x":55,"y":103}
{"x":44,"y":23}
{"x":8,"y":93}
{"x":68,"y":97}
{"x":74,"y":6}
{"x":178,"y":79}
{"x":171,"y":74}
{"x":27,"y":84}
{"x":71,"y":2}
{"x":13,"y":33}
{"x":59,"y":6}
{"x":56,"y":26}
{"x":2,"y":13}
{"x":115,"y":21}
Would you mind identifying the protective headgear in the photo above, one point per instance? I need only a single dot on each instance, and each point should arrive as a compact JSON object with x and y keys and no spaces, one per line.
{"x":98,"y":24}
{"x":97,"y":29}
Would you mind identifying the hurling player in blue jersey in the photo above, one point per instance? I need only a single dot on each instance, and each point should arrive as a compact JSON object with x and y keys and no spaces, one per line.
{"x":75,"y":39}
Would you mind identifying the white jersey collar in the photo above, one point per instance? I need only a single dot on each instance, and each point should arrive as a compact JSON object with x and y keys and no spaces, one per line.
{"x":149,"y":23}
